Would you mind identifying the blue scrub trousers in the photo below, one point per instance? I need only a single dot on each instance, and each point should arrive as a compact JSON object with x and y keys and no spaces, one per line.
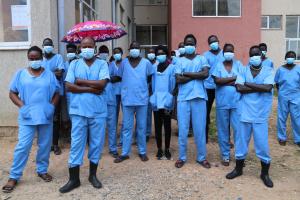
{"x":260,"y":136}
{"x":225,"y":119}
{"x":141,"y":123}
{"x":284,"y":108}
{"x":112,"y":127}
{"x":195,"y":108}
{"x":80,"y":127}
{"x":22,"y":150}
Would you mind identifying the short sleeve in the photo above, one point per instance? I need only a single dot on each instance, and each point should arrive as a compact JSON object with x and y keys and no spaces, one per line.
{"x":55,"y":83}
{"x":14,"y":84}
{"x":241,"y":77}
{"x":276,"y":78}
{"x":150,"y":69}
{"x":104,"y":72}
{"x":216,"y":72}
{"x":71,"y":72}
{"x":204,"y":62}
{"x":121,"y":69}
{"x":172,"y":78}
{"x":269,"y":79}
{"x":178,"y":67}
{"x":60,"y":62}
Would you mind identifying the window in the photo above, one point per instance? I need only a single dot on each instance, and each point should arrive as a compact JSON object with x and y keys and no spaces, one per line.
{"x":216,"y":8}
{"x":150,"y":2}
{"x":15,"y":24}
{"x":271,"y":22}
{"x":85,"y":10}
{"x":293,"y":34}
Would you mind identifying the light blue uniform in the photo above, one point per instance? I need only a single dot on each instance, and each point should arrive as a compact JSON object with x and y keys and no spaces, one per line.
{"x":192,"y":103}
{"x":88,"y":112}
{"x":35,"y":116}
{"x":227,"y":99}
{"x":53,"y":64}
{"x":288,"y":101}
{"x":135,"y":100}
{"x":268,"y":63}
{"x":213,"y":61}
{"x":254,"y":113}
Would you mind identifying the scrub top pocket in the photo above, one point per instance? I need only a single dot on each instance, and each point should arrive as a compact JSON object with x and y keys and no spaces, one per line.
{"x":25,"y":112}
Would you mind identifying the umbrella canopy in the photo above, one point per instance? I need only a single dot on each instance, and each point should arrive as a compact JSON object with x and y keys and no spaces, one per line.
{"x":100,"y":31}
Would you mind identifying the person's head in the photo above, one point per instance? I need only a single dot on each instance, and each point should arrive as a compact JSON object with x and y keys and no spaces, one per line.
{"x":173,"y":53}
{"x":71,"y":51}
{"x":117,"y":53}
{"x":151,"y":54}
{"x":228,"y":52}
{"x":190,"y":43}
{"x":134,"y":49}
{"x":181,"y":48}
{"x":35,"y":57}
{"x":255,"y":56}
{"x":161,"y":53}
{"x":87,"y":48}
{"x":48,"y":46}
{"x":103,"y":52}
{"x":213,"y":42}
{"x":263,"y":47}
{"x":290,"y":57}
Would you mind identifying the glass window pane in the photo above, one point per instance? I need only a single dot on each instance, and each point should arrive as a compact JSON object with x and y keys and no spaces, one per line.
{"x":150,"y":2}
{"x":14,"y":21}
{"x":298,"y":51}
{"x":275,"y":22}
{"x":204,"y":7}
{"x":293,"y":45}
{"x":291,"y":26}
{"x":159,"y":35}
{"x":229,"y":7}
{"x":264,"y":22}
{"x":143,"y":35}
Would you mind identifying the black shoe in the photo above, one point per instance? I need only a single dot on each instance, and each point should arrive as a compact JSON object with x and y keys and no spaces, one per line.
{"x":168,"y":154}
{"x":121,"y":159}
{"x":298,"y":144}
{"x":114,"y":154}
{"x":238,"y":170}
{"x":143,"y":157}
{"x":74,"y":181}
{"x":159,"y":154}
{"x":93,"y":176}
{"x":265,"y":175}
{"x":56,"y":149}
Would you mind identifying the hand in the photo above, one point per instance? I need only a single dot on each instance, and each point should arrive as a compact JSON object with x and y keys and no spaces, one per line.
{"x":96,"y":91}
{"x":58,"y":73}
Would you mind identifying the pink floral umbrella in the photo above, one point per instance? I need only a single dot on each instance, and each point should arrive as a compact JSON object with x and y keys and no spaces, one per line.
{"x":99,"y":30}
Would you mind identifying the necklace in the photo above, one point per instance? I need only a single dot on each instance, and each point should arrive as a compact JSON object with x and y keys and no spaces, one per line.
{"x":255,"y":69}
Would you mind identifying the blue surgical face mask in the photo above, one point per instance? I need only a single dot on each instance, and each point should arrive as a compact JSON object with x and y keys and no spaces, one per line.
{"x":103,"y":56}
{"x":134,"y":53}
{"x":214,"y":46}
{"x":71,"y":56}
{"x":117,"y":56}
{"x":228,"y":56}
{"x":151,"y":56}
{"x":181,"y":51}
{"x":255,"y":61}
{"x":290,"y":61}
{"x":87,"y":53}
{"x":161,"y":58}
{"x":35,"y":64}
{"x":189,"y":49}
{"x":48,"y":49}
{"x":264,"y":53}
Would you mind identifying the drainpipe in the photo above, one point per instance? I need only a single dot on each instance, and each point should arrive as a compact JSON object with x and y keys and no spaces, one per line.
{"x":61,"y":25}
{"x":113,"y":17}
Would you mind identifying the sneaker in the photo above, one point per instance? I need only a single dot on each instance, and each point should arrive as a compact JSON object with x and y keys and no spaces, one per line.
{"x":159,"y":154}
{"x":168,"y":154}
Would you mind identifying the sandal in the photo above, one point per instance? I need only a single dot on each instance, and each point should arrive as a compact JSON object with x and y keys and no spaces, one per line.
{"x":46,"y":177}
{"x":179,"y":163}
{"x":121,"y":159}
{"x":204,"y":164}
{"x":10,"y":186}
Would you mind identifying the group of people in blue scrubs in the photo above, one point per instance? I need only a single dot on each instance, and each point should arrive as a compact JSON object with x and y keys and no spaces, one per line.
{"x":185,"y":84}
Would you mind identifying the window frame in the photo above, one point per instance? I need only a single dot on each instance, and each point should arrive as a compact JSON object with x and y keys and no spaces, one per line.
{"x":20,"y":45}
{"x":289,"y":40}
{"x":151,"y":35}
{"x":216,"y":16}
{"x":268,"y":22}
{"x":163,"y":4}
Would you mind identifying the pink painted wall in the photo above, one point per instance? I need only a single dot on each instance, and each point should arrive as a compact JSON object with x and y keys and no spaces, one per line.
{"x":243,"y":31}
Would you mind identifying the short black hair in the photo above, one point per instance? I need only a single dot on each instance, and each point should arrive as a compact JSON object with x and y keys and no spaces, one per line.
{"x":119,"y":48}
{"x":35,"y":48}
{"x":211,"y":36}
{"x":103,"y":48}
{"x":290,"y":52}
{"x":71,"y":46}
{"x":263,"y":45}
{"x":48,"y":39}
{"x":228,"y":45}
{"x":254,"y":47}
{"x":190,"y":36}
{"x":161,"y":47}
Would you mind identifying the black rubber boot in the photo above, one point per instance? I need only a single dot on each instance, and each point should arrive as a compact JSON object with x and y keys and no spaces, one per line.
{"x":265,"y":175}
{"x":93,"y":176}
{"x":74,"y":181}
{"x":238,"y":170}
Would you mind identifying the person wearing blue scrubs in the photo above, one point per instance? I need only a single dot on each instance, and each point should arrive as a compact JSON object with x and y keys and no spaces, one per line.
{"x":86,"y":80}
{"x":287,"y":79}
{"x":135,"y":73}
{"x":162,"y":101}
{"x":190,"y":75}
{"x":35,"y":91}
{"x":227,"y":98}
{"x":213,"y":57}
{"x":55,"y":63}
{"x":103,"y":53}
{"x":113,"y":89}
{"x":255,"y":84}
{"x":265,"y":60}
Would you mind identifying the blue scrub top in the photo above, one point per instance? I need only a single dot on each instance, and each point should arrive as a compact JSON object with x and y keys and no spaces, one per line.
{"x":289,"y":82}
{"x":88,"y":104}
{"x":53,"y":64}
{"x":114,"y":69}
{"x":213,"y":61}
{"x":163,"y":84}
{"x":226,"y":96}
{"x":111,"y":88}
{"x":268,"y":63}
{"x":195,"y":88}
{"x":36,"y":93}
{"x":134,"y":86}
{"x":255,"y":107}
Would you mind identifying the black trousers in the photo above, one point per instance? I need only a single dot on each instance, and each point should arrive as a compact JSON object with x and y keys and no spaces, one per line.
{"x":160,"y":119}
{"x":209,"y":103}
{"x":56,"y":123}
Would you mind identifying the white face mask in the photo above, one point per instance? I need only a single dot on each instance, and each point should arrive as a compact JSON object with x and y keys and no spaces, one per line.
{"x":103,"y":56}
